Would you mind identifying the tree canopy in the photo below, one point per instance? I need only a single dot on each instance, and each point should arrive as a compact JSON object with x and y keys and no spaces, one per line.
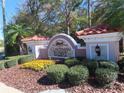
{"x":49,"y":17}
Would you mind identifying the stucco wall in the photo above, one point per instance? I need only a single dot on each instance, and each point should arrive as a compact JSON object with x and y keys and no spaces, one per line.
{"x":113,"y":49}
{"x":43,"y":54}
{"x":80,"y":52}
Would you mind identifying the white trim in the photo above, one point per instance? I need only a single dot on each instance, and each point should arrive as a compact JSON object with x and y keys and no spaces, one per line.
{"x":63,"y":34}
{"x":45,"y":42}
{"x":91,"y":45}
{"x":81,"y":48}
{"x":102,"y":37}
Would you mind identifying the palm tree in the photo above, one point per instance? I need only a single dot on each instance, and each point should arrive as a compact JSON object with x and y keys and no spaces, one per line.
{"x":14,"y":34}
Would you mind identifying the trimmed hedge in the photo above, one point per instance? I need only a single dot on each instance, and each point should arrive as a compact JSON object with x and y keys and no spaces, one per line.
{"x":56,"y":73}
{"x":121,"y":65}
{"x":105,"y":76}
{"x":10,"y":63}
{"x":77,"y":74}
{"x":92,"y":66}
{"x":109,"y":65}
{"x":2,"y":64}
{"x":72,"y":62}
{"x":25,"y":58}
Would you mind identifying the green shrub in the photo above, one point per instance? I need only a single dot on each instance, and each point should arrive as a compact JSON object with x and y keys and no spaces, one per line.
{"x":77,"y":74}
{"x":10,"y":63}
{"x":85,"y":62}
{"x":92,"y":66}
{"x":56,"y":73}
{"x":71,"y":62}
{"x":19,"y":57}
{"x":25,"y":58}
{"x":12,"y":57}
{"x":105,"y":76}
{"x":109,"y":65}
{"x":80,"y":58}
{"x":121,"y":63}
{"x":2,"y":65}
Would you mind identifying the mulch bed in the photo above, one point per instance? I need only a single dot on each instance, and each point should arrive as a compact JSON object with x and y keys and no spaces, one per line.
{"x":30,"y":81}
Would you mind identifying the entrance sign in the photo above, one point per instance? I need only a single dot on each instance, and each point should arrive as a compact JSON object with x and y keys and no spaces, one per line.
{"x":62,"y":46}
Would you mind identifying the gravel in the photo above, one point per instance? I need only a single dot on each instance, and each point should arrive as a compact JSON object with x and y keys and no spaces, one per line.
{"x":24,"y":79}
{"x":30,"y":81}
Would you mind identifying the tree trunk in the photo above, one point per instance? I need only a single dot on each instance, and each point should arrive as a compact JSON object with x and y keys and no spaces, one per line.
{"x":21,"y":46}
{"x":3,"y":12}
{"x":68,"y":30}
{"x":22,"y":49}
{"x":89,"y":14}
{"x":4,"y":24}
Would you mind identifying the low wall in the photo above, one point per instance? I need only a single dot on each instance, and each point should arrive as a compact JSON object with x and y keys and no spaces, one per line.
{"x":43,"y":54}
{"x":80,"y":52}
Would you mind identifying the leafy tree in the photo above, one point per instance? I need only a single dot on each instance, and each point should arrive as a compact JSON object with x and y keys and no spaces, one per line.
{"x":14,"y":34}
{"x":109,"y":12}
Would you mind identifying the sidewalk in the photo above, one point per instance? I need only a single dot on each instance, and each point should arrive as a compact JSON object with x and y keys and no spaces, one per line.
{"x":7,"y":89}
{"x":54,"y":91}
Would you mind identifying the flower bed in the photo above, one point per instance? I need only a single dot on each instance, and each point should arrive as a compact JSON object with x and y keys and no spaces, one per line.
{"x":37,"y":65}
{"x":27,"y":81}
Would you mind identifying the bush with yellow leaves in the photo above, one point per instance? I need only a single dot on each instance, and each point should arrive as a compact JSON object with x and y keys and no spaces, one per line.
{"x":37,"y":65}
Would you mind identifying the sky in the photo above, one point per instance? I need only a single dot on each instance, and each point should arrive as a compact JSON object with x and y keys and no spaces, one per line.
{"x":11,"y":8}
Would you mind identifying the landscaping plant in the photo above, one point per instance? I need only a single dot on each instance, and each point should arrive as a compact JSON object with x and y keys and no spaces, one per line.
{"x":92,"y":66}
{"x":56,"y":73}
{"x":77,"y":74}
{"x":2,"y":65}
{"x":37,"y":65}
{"x":121,"y":65}
{"x":10,"y":63}
{"x":72,"y":62}
{"x":109,"y":65}
{"x":105,"y":76}
{"x":25,"y":58}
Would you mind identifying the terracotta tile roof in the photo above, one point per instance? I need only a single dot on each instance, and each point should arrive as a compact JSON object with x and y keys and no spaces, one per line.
{"x":100,"y":29}
{"x":36,"y":38}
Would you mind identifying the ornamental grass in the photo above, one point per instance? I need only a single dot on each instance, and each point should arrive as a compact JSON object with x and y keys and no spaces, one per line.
{"x":37,"y":65}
